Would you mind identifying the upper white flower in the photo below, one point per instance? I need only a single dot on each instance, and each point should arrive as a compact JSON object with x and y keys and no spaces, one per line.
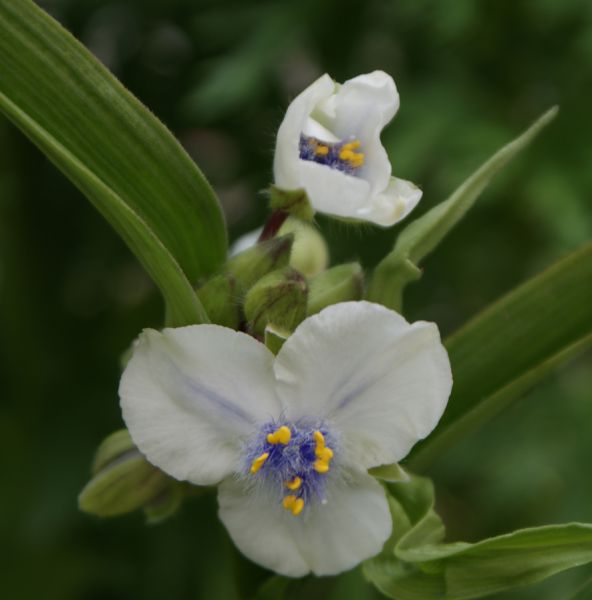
{"x":289,"y":439}
{"x":329,"y":145}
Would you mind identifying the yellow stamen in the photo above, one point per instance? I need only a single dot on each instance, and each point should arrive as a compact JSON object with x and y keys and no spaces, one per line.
{"x":297,"y":506}
{"x":282,"y":435}
{"x":325,"y":454}
{"x":357,"y":160}
{"x":319,"y":438}
{"x":258,"y":462}
{"x":352,"y":145}
{"x":294,"y":484}
{"x":321,"y":466}
{"x":288,"y":501}
{"x":322,"y":150}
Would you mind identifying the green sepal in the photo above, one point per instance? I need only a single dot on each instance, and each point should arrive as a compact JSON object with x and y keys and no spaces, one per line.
{"x":279,"y":298}
{"x":418,"y":239}
{"x":274,"y":337}
{"x":293,"y":202}
{"x":220,"y":298}
{"x":259,"y":260}
{"x":166,"y":504}
{"x":393,"y":473}
{"x":339,"y":284}
{"x":122,"y":479}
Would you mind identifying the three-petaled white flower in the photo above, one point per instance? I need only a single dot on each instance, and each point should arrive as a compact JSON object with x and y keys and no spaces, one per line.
{"x":329,"y":145}
{"x":289,"y":439}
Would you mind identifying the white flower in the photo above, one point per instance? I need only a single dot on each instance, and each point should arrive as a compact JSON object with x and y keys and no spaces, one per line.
{"x":329,"y":145}
{"x":289,"y":439}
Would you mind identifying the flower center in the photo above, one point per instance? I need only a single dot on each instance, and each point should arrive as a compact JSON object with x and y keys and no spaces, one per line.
{"x":294,"y":459}
{"x":335,"y":155}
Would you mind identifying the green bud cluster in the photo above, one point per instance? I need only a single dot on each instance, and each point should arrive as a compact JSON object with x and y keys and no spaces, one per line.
{"x":271,"y":287}
{"x":222,"y":296}
{"x":123,"y":481}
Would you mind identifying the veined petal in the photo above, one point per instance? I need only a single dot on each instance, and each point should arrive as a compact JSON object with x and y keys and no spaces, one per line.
{"x":325,"y":539}
{"x":381,"y":382}
{"x":392,"y":205}
{"x":287,"y":156}
{"x":190,"y":395}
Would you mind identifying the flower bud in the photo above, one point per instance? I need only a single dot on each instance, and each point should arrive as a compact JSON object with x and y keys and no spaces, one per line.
{"x":339,"y":284}
{"x":279,"y":298}
{"x":310,"y":254}
{"x":123,"y":480}
{"x":259,"y":260}
{"x":220,"y":298}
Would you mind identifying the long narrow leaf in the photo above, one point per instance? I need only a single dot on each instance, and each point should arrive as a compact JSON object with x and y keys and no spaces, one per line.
{"x":83,"y":118}
{"x":417,"y":240}
{"x":183,"y":307}
{"x":513,"y":344}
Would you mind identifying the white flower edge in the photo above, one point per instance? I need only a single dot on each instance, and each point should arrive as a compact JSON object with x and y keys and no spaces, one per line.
{"x":359,"y":109}
{"x":191,"y":396}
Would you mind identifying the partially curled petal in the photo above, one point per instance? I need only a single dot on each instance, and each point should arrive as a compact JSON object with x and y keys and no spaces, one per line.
{"x":383,"y":383}
{"x":190,"y":395}
{"x":287,"y":161}
{"x":325,"y":539}
{"x":392,"y":205}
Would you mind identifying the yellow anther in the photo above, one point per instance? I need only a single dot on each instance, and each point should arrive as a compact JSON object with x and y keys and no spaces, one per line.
{"x":325,"y":453}
{"x":297,"y":506}
{"x":322,"y":150}
{"x":282,"y":435}
{"x":294,"y":484}
{"x":288,"y":501}
{"x":357,"y":160}
{"x":352,"y":145}
{"x":346,"y":154}
{"x":258,"y":462}
{"x":321,"y":466}
{"x":319,"y":438}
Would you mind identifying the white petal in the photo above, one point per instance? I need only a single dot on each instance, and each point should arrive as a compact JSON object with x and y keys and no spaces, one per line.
{"x":332,"y":191}
{"x":381,"y":382}
{"x":326,"y":538}
{"x":190,"y":395}
{"x":363,"y":106}
{"x":287,"y":152}
{"x":393,"y":205}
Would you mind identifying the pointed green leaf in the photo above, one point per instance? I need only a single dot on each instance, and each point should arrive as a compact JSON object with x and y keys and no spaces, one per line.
{"x":113,"y":149}
{"x":415,"y":564}
{"x":418,"y":239}
{"x":512,"y":345}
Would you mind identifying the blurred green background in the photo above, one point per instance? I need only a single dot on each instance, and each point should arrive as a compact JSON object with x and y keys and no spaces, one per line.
{"x":220,"y":74}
